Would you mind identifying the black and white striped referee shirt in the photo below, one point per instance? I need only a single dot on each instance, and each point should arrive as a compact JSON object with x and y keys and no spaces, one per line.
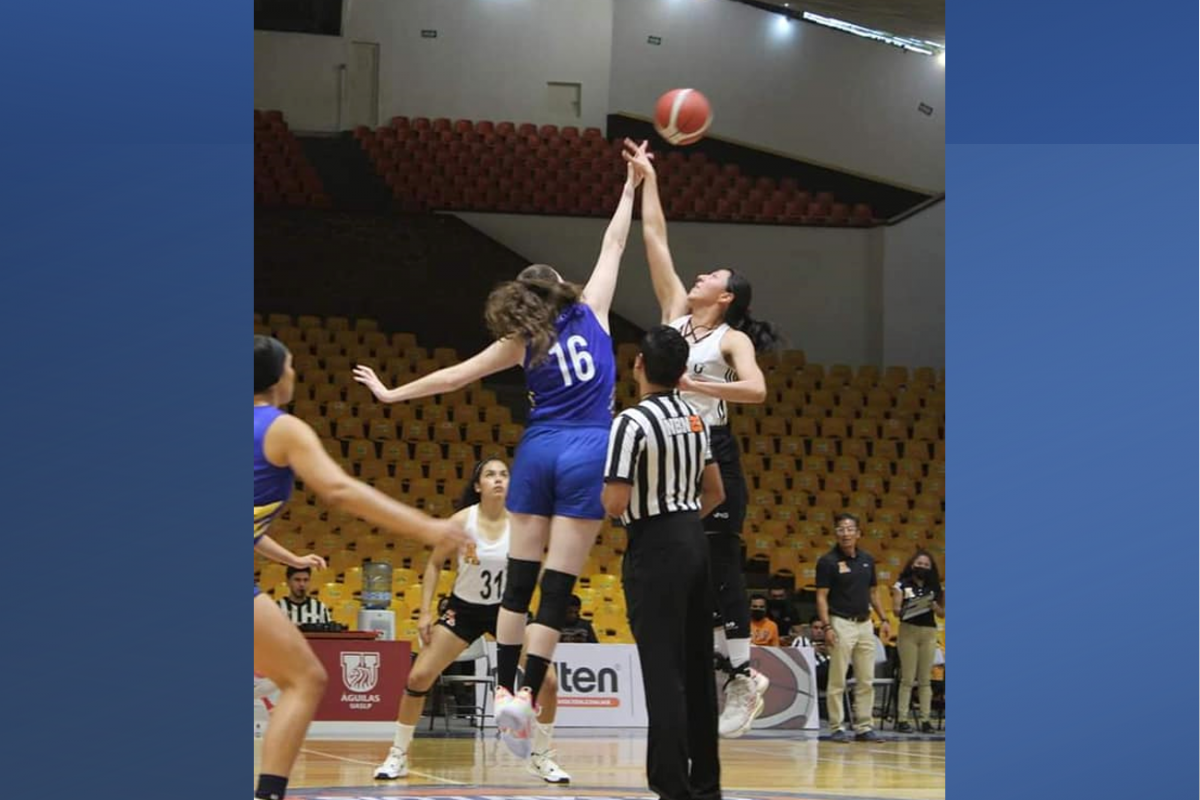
{"x":310,"y":611}
{"x":660,"y":446}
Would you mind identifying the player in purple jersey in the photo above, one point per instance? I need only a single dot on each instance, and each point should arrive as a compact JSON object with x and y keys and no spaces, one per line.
{"x":285,"y":446}
{"x":560,"y":336}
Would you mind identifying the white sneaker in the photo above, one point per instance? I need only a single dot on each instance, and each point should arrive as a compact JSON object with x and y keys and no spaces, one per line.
{"x":394,"y":766}
{"x":515,"y":716}
{"x":743,"y":704}
{"x":761,"y":682}
{"x":545,"y":767}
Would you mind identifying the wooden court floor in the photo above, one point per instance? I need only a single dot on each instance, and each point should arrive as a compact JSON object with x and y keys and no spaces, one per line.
{"x":608,"y":763}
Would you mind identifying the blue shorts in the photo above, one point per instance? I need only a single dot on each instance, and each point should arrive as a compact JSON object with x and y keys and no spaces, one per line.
{"x":559,"y":472}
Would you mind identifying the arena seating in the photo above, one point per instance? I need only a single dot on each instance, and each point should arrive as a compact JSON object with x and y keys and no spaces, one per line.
{"x":282,"y":174}
{"x":829,"y":438}
{"x":467,"y":165}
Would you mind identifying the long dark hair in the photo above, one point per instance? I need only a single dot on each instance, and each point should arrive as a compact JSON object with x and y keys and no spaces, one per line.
{"x":470,"y":495}
{"x":935,"y":576}
{"x":528,"y":308}
{"x":270,"y":356}
{"x":763,"y":334}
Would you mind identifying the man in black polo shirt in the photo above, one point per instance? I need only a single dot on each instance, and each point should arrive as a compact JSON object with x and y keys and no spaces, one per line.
{"x":846,"y":593}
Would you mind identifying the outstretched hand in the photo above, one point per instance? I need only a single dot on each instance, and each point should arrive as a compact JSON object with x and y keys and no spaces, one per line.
{"x":367,"y":377}
{"x":639,"y":160}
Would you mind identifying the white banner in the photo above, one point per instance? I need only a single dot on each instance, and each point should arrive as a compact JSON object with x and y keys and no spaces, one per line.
{"x":600,"y":686}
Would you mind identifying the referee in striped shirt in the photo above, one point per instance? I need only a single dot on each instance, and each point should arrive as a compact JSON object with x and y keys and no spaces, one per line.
{"x":661,"y":479}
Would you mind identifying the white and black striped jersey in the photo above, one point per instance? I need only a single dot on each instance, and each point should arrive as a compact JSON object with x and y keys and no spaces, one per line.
{"x":310,"y":611}
{"x":660,"y":446}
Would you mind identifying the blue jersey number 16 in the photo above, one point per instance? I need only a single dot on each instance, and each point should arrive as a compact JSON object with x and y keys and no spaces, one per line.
{"x":581,"y":364}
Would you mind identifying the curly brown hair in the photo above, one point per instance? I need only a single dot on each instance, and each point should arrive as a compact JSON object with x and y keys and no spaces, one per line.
{"x":529,"y":306}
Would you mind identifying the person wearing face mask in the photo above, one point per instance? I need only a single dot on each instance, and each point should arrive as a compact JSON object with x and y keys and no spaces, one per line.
{"x":763,"y":630}
{"x":916,"y":597}
{"x":779,"y":609}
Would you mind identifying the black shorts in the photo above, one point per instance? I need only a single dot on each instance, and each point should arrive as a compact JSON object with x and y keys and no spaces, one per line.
{"x":730,"y":515}
{"x":469,"y":621}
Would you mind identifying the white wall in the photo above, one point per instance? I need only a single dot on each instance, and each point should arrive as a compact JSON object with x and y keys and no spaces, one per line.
{"x":821,"y":286}
{"x":822,"y":95}
{"x":297,"y":74}
{"x":914,"y":288}
{"x":490,"y":60}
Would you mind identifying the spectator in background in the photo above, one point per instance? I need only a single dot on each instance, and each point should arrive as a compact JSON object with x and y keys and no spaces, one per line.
{"x":846,"y":595}
{"x":815,"y":641}
{"x":779,"y":609}
{"x":763,"y":630}
{"x":576,"y":628}
{"x":300,"y":607}
{"x":916,"y":598}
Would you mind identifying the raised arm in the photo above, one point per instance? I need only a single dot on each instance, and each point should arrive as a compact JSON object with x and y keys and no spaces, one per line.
{"x":598,"y":293}
{"x":292,"y":443}
{"x":671,"y":294}
{"x":497,"y":357}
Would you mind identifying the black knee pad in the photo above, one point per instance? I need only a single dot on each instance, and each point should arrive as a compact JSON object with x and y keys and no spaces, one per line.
{"x":556,"y":596}
{"x":519,"y":584}
{"x":411,"y":692}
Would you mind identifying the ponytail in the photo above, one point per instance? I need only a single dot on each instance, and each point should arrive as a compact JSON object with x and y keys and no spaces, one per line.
{"x":763,"y":335}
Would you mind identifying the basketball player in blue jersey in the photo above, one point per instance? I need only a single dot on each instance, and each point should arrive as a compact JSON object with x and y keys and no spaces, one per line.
{"x":714,"y":318}
{"x":285,"y":447}
{"x":560,"y":336}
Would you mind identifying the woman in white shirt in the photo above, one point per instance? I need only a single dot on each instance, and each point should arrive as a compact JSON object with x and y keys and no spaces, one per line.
{"x":471,"y":611}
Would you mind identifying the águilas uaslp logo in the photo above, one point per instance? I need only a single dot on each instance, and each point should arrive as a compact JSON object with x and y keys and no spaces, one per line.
{"x":360,"y":671}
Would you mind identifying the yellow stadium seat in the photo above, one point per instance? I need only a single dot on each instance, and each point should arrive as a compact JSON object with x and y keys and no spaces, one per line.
{"x":373,"y":470}
{"x":331,"y":593}
{"x":835,"y":428}
{"x":862,"y":502}
{"x":845,"y":469}
{"x":887,"y":449}
{"x":825,"y":448}
{"x":773,"y":426}
{"x":759,"y":544}
{"x":510,"y":434}
{"x":856,"y":449}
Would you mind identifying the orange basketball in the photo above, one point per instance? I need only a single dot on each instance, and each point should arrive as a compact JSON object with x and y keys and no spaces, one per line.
{"x":682,"y":116}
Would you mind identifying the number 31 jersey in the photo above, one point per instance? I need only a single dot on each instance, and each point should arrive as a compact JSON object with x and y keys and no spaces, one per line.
{"x":574,"y":383}
{"x":480,"y":576}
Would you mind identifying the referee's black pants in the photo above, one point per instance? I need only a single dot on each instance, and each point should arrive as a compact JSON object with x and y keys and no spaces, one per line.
{"x":669,"y":596}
